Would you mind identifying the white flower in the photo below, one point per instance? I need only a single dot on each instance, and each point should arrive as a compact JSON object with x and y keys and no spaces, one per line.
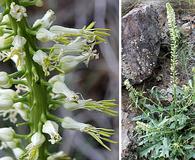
{"x":33,"y":148}
{"x":61,"y":88}
{"x":75,"y":47}
{"x":10,"y":110}
{"x":7,"y":93}
{"x":4,"y":80}
{"x":64,"y":30}
{"x":18,"y":152}
{"x":22,"y":110}
{"x":6,"y":98}
{"x":45,"y":36}
{"x":68,"y":63}
{"x":18,"y":42}
{"x":46,"y":21}
{"x":17,"y":54}
{"x":75,"y":105}
{"x":5,"y":19}
{"x":56,"y":156}
{"x":51,"y":128}
{"x":9,"y":144}
{"x":17,"y":12}
{"x":60,"y":78}
{"x":69,"y":123}
{"x":6,"y":134}
{"x":37,"y":139}
{"x":99,"y":134}
{"x":6,"y":158}
{"x":39,"y":57}
{"x":43,"y":60}
{"x":5,"y":103}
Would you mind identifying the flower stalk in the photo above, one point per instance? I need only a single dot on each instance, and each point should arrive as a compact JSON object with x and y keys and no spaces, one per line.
{"x":35,"y":97}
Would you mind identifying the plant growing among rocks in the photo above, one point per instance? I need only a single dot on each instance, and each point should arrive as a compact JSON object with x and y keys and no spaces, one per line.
{"x":38,"y":94}
{"x":165,"y":128}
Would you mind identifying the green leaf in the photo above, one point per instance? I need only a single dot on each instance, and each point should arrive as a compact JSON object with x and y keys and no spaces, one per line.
{"x":147,"y":150}
{"x":191,"y":155}
{"x":165,"y":148}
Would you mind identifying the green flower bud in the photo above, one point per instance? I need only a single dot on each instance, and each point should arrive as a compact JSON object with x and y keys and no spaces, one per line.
{"x":39,"y":3}
{"x":5,"y":41}
{"x":193,"y":70}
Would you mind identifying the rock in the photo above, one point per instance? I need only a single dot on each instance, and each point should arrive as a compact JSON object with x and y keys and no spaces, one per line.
{"x":186,"y":28}
{"x":140,"y":43}
{"x":127,"y":5}
{"x":129,"y":142}
{"x":129,"y":139}
{"x":125,"y":130}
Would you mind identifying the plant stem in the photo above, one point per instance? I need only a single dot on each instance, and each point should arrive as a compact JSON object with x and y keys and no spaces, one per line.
{"x":38,"y":92}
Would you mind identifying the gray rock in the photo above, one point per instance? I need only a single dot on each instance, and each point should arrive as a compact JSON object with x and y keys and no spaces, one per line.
{"x":140,"y":43}
{"x":129,"y":144}
{"x":127,"y":5}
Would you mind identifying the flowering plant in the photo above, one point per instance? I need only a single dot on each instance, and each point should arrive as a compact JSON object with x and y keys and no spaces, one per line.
{"x":36,"y":96}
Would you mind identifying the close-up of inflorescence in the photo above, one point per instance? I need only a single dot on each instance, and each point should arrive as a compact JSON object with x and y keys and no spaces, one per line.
{"x":30,"y":96}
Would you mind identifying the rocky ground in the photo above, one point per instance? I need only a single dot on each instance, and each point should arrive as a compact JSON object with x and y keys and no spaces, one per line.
{"x":146,"y":54}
